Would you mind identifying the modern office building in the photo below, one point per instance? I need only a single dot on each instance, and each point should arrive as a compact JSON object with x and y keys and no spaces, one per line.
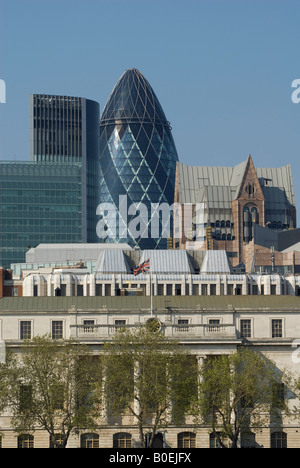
{"x":39,"y":202}
{"x":54,"y":196}
{"x":65,"y":129}
{"x":138,"y":161}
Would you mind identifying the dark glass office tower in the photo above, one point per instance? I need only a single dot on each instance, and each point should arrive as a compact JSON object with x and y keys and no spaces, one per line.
{"x":65,"y":129}
{"x":137,"y":156}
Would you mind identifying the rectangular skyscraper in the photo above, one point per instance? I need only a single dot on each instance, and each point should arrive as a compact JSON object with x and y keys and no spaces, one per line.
{"x":65,"y":129}
{"x":39,"y":203}
{"x":53,"y":197}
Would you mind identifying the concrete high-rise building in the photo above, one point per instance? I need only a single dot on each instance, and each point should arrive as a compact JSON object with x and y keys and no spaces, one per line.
{"x":65,"y":129}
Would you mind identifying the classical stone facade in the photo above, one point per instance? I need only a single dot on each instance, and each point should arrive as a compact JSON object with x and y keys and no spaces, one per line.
{"x":207,"y":326}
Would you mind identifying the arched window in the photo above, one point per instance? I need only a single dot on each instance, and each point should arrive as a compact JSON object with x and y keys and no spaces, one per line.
{"x":250,"y":217}
{"x":254,"y":215}
{"x":186,"y":440}
{"x":250,"y":189}
{"x":25,"y":441}
{"x":278,"y":440}
{"x":122,"y":440}
{"x":89,"y":441}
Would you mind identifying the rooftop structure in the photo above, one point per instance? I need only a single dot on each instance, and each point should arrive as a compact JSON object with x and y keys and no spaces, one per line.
{"x":226,"y":203}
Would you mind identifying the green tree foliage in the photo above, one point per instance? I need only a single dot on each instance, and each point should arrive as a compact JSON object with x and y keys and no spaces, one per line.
{"x":54,"y":385}
{"x":234,"y":389}
{"x":150,"y":377}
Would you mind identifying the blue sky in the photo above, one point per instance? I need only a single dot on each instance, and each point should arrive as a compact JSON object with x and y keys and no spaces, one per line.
{"x":222,"y":69}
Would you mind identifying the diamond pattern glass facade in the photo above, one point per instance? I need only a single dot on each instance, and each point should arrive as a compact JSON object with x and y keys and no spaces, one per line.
{"x":137,"y":157}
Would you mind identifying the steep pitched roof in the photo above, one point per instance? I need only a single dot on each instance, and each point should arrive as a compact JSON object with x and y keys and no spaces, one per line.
{"x":193,"y":179}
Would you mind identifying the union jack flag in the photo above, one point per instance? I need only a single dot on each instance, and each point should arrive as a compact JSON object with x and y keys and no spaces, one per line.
{"x":143,"y":267}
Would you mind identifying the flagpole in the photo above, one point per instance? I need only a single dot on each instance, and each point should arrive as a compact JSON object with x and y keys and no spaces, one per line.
{"x":151,"y":295}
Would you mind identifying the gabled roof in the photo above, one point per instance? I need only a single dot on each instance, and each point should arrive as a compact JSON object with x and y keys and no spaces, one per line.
{"x":193,"y":179}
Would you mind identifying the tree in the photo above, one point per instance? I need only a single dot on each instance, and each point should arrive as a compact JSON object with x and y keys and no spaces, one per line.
{"x":55,"y":387}
{"x":147,"y":374}
{"x":234,"y":387}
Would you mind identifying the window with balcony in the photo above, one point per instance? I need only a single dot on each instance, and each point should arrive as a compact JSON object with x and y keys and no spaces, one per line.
{"x":182,"y":325}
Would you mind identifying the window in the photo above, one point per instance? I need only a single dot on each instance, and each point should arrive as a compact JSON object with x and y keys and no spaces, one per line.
{"x":25,"y":330}
{"x":182,"y":325}
{"x":90,"y":441}
{"x":278,"y":440}
{"x":88,"y":326}
{"x":59,"y":439}
{"x":122,"y":440}
{"x":98,"y":289}
{"x":186,"y":440}
{"x":213,"y":325}
{"x":245,"y":328}
{"x":273,"y":289}
{"x":57,"y":330}
{"x":25,"y":441}
{"x":277,"y":328}
{"x":214,"y":441}
{"x":119,"y":324}
{"x":278,"y":394}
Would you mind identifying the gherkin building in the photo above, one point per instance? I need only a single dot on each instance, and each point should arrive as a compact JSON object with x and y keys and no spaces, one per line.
{"x":137,"y":165}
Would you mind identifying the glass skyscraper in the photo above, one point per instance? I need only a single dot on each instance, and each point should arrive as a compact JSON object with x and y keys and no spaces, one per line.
{"x":137,"y":158}
{"x":65,"y":129}
{"x":52,"y":198}
{"x":39,"y":203}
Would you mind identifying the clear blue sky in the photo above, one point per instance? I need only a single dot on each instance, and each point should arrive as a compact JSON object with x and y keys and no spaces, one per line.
{"x":222,"y":69}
